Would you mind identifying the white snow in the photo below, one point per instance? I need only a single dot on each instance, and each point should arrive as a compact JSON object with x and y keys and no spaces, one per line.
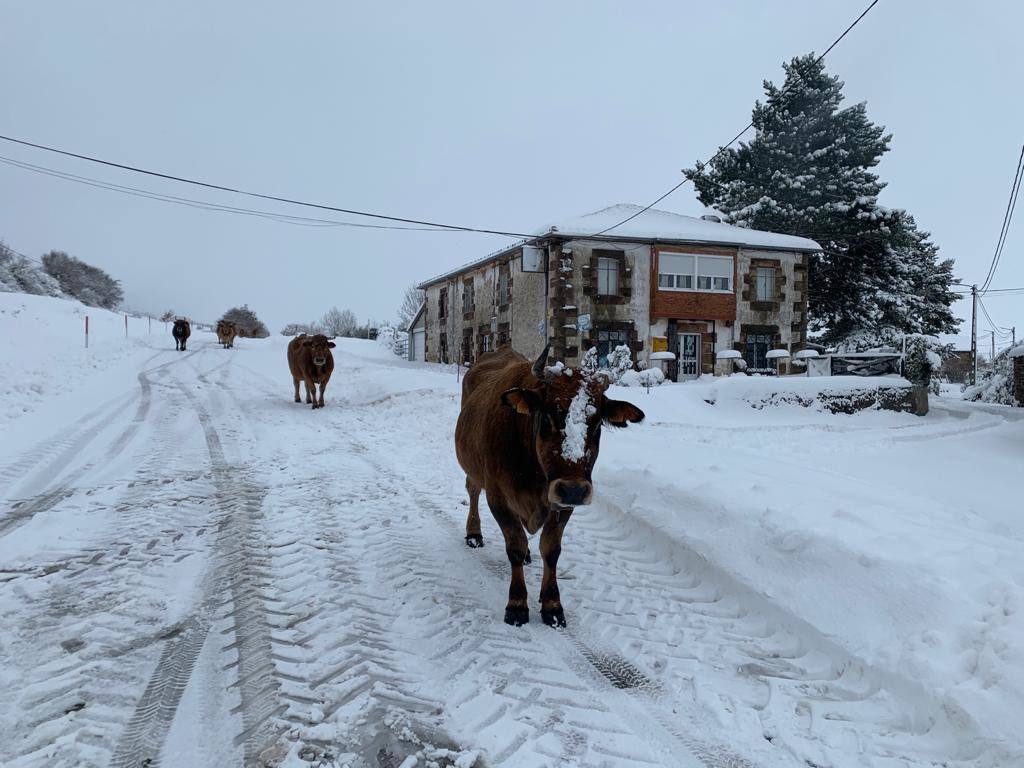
{"x":574,"y":445}
{"x":195,"y":568}
{"x":665,"y":225}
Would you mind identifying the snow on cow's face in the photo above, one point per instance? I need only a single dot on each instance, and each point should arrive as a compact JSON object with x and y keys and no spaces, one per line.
{"x":567,"y":410}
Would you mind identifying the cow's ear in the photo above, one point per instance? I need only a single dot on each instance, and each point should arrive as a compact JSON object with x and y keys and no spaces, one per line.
{"x":619,"y":413}
{"x":331,"y":344}
{"x":524,"y":401}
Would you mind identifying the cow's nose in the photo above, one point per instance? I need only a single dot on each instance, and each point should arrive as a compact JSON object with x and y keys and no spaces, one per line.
{"x":320,"y":360}
{"x":572,"y":493}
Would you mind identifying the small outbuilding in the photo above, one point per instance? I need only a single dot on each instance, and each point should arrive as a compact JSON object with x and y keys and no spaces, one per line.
{"x":1017,"y":356}
{"x":417,"y":329}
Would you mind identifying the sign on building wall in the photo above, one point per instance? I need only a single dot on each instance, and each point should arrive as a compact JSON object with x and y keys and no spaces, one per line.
{"x":583,"y":323}
{"x":533,"y":258}
{"x":659,"y":344}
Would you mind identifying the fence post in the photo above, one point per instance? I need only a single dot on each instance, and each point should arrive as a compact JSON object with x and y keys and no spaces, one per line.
{"x":126,"y":326}
{"x":86,"y":331}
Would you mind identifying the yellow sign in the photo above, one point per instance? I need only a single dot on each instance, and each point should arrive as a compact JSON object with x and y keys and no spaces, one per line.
{"x":659,"y":344}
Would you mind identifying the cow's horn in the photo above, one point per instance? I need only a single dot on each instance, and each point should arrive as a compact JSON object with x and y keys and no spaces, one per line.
{"x":538,"y":367}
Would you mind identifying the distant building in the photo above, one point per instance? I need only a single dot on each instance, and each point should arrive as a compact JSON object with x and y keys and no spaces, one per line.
{"x":957,"y":367}
{"x":661,"y":281}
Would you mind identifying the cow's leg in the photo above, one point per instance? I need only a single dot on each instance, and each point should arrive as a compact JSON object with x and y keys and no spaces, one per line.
{"x":474,"y":537}
{"x":309,"y":397}
{"x":311,"y":393}
{"x":298,"y":399}
{"x":550,"y":548}
{"x":323,"y":386}
{"x":517,"y":612}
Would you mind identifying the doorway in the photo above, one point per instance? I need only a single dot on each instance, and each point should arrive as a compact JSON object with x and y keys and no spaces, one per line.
{"x":689,"y":355}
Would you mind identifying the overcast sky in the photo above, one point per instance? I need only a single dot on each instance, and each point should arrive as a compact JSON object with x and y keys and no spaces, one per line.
{"x":472,"y":113}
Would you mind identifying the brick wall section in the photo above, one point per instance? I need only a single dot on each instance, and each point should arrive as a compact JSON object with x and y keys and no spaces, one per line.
{"x":713,"y":306}
{"x":1018,"y":380}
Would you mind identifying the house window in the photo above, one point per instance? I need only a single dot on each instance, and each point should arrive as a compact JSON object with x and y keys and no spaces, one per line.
{"x":444,"y":348}
{"x":676,"y":270}
{"x":766,"y":283}
{"x":442,"y":304}
{"x":694,"y":272}
{"x":467,"y":297}
{"x":758,"y":345}
{"x":607,"y":277}
{"x":607,"y":340}
{"x":503,"y":293}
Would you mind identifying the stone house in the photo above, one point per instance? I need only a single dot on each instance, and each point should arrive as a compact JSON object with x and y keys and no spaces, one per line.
{"x":660,"y":281}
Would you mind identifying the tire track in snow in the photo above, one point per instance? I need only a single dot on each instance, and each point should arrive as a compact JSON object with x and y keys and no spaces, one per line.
{"x":100,"y":628}
{"x":61,"y":484}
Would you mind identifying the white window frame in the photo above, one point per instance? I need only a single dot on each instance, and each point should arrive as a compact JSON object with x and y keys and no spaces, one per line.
{"x":613,"y":276}
{"x":695,"y":277}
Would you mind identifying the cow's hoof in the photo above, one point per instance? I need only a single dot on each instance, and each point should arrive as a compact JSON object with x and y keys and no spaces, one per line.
{"x":553,"y":618}
{"x":528,"y":559}
{"x":298,"y":400}
{"x":517,"y":615}
{"x":475,"y":541}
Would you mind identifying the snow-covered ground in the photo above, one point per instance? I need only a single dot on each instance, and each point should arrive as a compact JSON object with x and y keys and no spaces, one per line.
{"x":195,"y":571}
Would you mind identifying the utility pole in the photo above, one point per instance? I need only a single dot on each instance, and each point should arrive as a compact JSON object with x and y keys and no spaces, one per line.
{"x":974,"y":334}
{"x":993,"y":347}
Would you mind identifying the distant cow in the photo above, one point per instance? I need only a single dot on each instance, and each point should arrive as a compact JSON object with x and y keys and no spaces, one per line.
{"x":226,"y":332}
{"x":181,"y":331}
{"x":528,"y":436}
{"x":311,"y":361}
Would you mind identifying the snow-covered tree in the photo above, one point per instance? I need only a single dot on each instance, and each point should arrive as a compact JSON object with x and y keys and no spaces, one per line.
{"x":412,"y":300}
{"x":809,"y":171}
{"x":89,"y":284}
{"x":167,"y":316}
{"x":294,"y":329}
{"x":589,"y":362}
{"x":339,"y":322}
{"x":246,"y":322}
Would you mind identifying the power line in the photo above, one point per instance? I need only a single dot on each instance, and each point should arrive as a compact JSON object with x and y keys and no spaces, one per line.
{"x":1007,"y":218}
{"x":736,"y":138}
{"x":261,"y":196}
{"x":283,"y":218}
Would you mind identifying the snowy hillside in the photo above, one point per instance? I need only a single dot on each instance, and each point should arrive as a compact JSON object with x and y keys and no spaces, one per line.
{"x":197,"y":571}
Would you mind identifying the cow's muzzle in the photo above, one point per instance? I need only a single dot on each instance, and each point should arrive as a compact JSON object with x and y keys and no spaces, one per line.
{"x":318,"y":361}
{"x":570,"y":493}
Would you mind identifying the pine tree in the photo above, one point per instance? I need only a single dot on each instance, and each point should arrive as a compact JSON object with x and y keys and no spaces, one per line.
{"x":808,"y":171}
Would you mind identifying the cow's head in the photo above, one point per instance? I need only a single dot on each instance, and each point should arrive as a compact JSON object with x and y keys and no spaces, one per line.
{"x":319,"y":347}
{"x":567,"y":410}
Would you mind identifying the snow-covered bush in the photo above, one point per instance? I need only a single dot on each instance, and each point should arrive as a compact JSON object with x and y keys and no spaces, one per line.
{"x":620,"y":360}
{"x":89,"y":284}
{"x":393,"y":339}
{"x":245,"y":320}
{"x":996,"y":387}
{"x":589,"y":362}
{"x":649,"y":377}
{"x":21,"y":275}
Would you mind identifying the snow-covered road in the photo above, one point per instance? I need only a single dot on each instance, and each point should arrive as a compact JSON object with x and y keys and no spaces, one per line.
{"x":195,"y":571}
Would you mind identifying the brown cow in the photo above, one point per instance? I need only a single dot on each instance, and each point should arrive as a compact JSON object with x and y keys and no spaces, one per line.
{"x":311,"y":361}
{"x":226,"y":332}
{"x":528,"y":436}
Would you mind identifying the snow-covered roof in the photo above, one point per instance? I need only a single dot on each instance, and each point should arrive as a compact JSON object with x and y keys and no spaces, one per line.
{"x":417,"y":316}
{"x":652,"y":225}
{"x":1017,"y":351}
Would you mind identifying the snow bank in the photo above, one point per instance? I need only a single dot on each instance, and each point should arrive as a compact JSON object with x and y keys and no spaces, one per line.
{"x":649,"y":377}
{"x":836,"y":394}
{"x":42,"y":347}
